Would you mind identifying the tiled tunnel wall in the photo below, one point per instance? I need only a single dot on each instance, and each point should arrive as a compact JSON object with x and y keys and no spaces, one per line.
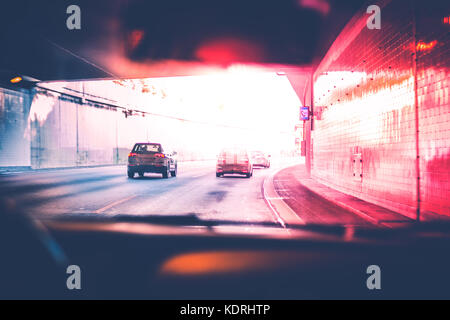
{"x":369,"y":106}
{"x":433,"y":83}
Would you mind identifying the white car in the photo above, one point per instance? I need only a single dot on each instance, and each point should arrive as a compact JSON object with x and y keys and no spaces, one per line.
{"x":234,"y":161}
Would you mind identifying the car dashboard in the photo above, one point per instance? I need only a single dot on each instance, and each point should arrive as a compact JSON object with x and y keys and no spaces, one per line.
{"x":121,"y":260}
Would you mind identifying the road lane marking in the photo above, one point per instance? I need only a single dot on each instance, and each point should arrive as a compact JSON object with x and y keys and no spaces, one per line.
{"x":115,"y":203}
{"x":200,"y":175}
{"x":278,"y":218}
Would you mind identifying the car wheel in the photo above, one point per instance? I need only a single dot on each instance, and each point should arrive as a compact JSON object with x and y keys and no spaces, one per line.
{"x":174,"y":172}
{"x":218,"y":174}
{"x":130,"y":174}
{"x":141,"y":174}
{"x":166,"y":173}
{"x":248,"y":175}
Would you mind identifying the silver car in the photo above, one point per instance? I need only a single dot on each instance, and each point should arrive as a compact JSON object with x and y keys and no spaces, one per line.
{"x":260,"y":159}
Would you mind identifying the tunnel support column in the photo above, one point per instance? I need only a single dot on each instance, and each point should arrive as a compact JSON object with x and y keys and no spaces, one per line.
{"x":416,"y":113}
{"x":310,"y":125}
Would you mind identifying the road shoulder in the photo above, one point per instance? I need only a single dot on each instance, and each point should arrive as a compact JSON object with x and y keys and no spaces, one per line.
{"x":296,"y":188}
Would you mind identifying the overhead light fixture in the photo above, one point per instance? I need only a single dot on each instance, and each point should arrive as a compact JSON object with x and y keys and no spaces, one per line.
{"x":16,"y":79}
{"x":424,"y":46}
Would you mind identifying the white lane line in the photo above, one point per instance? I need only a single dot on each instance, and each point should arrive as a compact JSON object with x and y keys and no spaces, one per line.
{"x":115,"y":203}
{"x":277,"y":216}
{"x":200,"y":175}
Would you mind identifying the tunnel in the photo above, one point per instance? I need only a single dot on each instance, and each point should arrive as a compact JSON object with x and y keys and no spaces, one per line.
{"x":210,"y":149}
{"x":368,"y":111}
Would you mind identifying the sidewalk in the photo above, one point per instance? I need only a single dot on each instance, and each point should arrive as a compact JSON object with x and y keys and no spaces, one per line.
{"x":317,"y":203}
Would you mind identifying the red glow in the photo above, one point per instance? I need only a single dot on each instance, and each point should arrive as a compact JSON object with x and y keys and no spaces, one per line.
{"x":159,"y":155}
{"x":321,"y":6}
{"x":131,"y":155}
{"x":446,"y":20}
{"x":227,"y":51}
{"x":423,"y":46}
{"x":214,"y":262}
{"x":135,"y":38}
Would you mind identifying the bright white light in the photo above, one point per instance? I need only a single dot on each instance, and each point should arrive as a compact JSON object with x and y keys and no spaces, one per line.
{"x":242,"y":105}
{"x":261,"y":107}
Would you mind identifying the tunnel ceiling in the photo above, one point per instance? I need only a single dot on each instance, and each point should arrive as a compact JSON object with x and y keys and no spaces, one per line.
{"x":165,"y":38}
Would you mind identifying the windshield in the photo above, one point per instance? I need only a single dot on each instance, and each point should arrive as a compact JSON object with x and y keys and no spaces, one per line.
{"x":224,"y":149}
{"x":232,"y":152}
{"x":147,"y":148}
{"x":281,"y":122}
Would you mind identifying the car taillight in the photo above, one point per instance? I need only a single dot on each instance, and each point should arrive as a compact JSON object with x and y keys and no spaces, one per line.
{"x":159,"y":155}
{"x":131,"y":154}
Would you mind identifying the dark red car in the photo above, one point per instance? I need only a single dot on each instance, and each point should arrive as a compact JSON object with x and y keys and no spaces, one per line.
{"x":150,"y":157}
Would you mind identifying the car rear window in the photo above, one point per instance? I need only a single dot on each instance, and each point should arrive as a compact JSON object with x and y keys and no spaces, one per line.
{"x":230,"y":152}
{"x":257,"y":154}
{"x":147,"y":148}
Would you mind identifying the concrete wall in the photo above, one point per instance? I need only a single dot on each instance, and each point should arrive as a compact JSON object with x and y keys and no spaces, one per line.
{"x":364,"y":142}
{"x":45,"y":128}
{"x":64,"y":132}
{"x":14,"y":109}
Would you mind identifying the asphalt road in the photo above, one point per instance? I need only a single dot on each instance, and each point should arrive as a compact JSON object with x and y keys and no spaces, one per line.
{"x":108,"y":191}
{"x":196,"y":190}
